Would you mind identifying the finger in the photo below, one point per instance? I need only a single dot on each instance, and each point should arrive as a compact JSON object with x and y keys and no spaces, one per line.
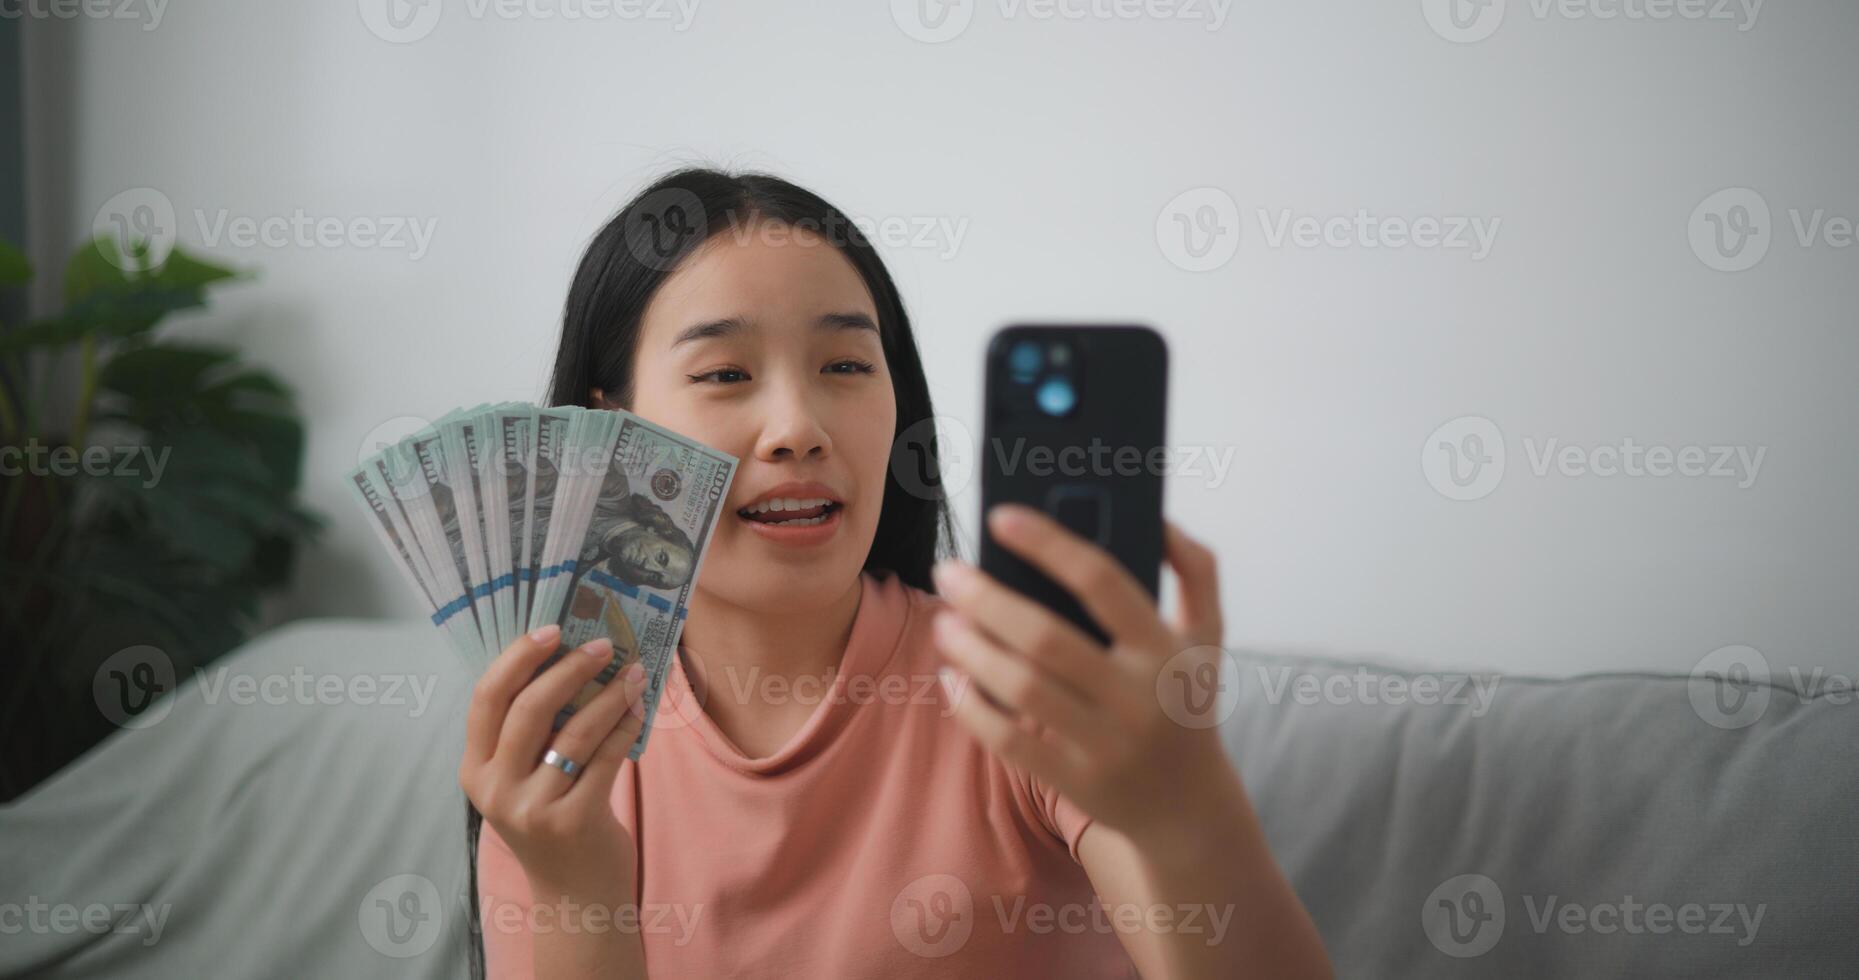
{"x":1028,"y":628}
{"x":1105,"y":588}
{"x":1199,"y":618}
{"x":502,"y":681}
{"x":1019,"y":685}
{"x":587,"y":728}
{"x":530,"y":722}
{"x":597,"y":782}
{"x":1003,"y":736}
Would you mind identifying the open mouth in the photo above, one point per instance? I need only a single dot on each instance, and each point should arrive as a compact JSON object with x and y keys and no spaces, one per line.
{"x":790,"y":511}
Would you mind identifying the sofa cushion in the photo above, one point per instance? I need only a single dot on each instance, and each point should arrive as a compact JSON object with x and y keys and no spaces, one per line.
{"x":1442,"y":825}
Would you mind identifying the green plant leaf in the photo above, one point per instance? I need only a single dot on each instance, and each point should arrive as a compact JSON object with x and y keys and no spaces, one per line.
{"x":163,"y":374}
{"x":183,"y":270}
{"x":15,"y":270}
{"x":94,"y":266}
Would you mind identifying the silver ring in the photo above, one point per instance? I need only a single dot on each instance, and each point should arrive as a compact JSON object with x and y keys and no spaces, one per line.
{"x":560,"y":761}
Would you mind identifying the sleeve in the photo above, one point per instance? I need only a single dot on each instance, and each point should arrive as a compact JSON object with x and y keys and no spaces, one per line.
{"x":503,"y":911}
{"x":1060,"y":817}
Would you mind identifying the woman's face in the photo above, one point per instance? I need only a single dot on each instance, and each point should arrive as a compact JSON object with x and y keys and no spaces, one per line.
{"x":764,"y":344}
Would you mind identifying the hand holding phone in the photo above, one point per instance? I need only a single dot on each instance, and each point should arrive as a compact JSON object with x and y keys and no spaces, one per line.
{"x":1074,"y":426}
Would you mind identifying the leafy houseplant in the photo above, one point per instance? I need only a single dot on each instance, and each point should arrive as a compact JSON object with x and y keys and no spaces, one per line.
{"x":153,"y":506}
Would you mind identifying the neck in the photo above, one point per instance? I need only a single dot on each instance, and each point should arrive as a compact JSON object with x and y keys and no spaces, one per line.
{"x":723,"y":640}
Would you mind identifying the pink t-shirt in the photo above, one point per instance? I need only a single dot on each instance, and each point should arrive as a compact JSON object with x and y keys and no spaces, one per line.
{"x":881,"y":841}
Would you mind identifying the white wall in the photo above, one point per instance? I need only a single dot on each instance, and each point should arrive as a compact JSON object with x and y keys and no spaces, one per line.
{"x":1057,"y":145}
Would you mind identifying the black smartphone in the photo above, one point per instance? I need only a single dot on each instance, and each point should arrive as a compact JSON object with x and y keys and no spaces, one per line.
{"x":1073,"y":425}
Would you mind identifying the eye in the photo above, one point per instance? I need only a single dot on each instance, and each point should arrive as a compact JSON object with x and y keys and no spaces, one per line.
{"x":723,"y":375}
{"x":849,"y":365}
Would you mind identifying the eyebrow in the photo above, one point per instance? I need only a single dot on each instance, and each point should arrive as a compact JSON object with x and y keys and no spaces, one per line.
{"x":734,"y":325}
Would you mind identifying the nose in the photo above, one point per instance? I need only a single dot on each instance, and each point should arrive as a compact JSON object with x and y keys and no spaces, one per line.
{"x":791,"y":430}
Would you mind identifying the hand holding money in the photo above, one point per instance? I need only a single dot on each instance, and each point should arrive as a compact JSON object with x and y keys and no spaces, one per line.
{"x":506,"y":519}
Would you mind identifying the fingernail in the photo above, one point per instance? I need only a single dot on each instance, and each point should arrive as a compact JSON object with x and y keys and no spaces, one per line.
{"x":948,"y":574}
{"x":1008,"y":516}
{"x":633,"y":675}
{"x":545,"y":634}
{"x":602,"y":648}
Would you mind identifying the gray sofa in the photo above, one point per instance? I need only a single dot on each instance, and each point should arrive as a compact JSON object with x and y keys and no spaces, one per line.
{"x":294,"y":812}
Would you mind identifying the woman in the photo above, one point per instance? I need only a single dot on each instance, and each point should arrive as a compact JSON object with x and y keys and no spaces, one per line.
{"x":812,"y":801}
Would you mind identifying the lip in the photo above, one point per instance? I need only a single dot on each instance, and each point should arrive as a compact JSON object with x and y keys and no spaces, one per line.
{"x":802,"y":536}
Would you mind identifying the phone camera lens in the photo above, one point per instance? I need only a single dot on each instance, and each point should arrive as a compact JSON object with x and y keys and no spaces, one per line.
{"x":1056,"y":397}
{"x":1024,"y":361}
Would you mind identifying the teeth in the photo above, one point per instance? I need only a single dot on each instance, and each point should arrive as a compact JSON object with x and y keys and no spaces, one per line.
{"x":799,"y":521}
{"x":786,"y":503}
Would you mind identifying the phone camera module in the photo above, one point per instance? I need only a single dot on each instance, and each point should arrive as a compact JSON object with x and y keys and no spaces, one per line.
{"x":1024,"y":361}
{"x":1057,"y":397}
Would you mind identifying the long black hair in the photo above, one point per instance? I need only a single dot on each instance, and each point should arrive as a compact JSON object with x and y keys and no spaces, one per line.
{"x":624,"y":266}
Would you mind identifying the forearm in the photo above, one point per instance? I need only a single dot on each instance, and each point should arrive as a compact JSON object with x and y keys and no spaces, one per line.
{"x":1214,"y":866}
{"x":583,"y":933}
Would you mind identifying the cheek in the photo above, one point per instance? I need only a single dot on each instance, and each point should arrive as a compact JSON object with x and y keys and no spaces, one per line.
{"x":715,"y":425}
{"x":873,"y":429}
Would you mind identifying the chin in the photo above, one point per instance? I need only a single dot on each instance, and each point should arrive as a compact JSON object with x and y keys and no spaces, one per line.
{"x":749,"y":572}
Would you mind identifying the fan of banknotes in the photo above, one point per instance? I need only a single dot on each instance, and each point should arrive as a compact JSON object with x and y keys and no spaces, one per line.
{"x":506,"y":518}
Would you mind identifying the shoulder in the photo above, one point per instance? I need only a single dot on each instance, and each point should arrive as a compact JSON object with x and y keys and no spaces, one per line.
{"x":915,"y":610}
